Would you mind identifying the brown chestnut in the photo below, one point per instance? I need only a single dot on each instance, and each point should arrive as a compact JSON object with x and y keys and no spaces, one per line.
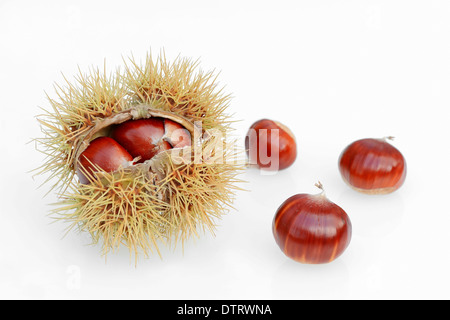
{"x":141,"y":138}
{"x":131,"y":142}
{"x":146,"y":138}
{"x":311,"y":229}
{"x":105,"y":153}
{"x":270,"y":145}
{"x":373,"y":166}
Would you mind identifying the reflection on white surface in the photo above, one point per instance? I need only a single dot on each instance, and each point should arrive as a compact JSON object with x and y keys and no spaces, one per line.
{"x":293,"y":280}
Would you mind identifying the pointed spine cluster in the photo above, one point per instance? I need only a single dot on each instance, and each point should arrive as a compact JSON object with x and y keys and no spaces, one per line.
{"x":161,"y":201}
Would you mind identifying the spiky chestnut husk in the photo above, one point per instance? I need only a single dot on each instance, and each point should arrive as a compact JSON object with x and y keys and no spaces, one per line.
{"x":165,"y":199}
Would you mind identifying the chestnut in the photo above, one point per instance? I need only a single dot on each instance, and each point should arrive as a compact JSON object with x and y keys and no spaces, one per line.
{"x":270,"y":145}
{"x":373,"y":166}
{"x":145,"y":138}
{"x":311,"y":229}
{"x":131,"y":142}
{"x":176,"y":134}
{"x":105,"y":153}
{"x":141,"y":138}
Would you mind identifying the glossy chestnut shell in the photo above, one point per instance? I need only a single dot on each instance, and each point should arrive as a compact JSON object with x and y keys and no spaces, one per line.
{"x":311,"y":229}
{"x":104,"y":152}
{"x":372,"y":166}
{"x":141,"y":138}
{"x":131,"y":142}
{"x":270,"y":145}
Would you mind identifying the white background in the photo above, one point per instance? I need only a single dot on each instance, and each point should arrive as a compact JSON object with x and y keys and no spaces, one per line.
{"x":333,"y":71}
